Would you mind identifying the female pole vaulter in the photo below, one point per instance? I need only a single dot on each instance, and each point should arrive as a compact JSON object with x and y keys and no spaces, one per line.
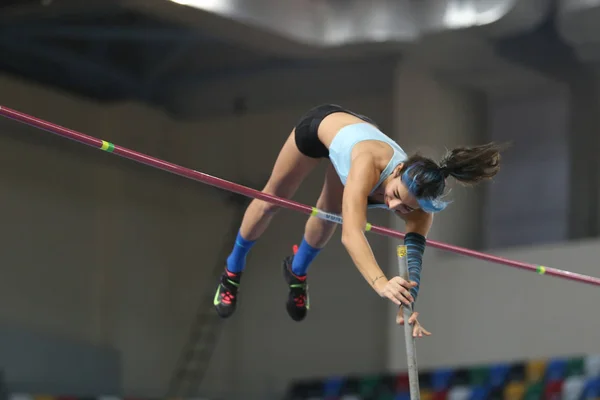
{"x":367,"y":169}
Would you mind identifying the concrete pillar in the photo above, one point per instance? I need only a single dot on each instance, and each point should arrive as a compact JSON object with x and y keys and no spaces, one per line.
{"x":528,"y":202}
{"x":583,"y":145}
{"x":432,"y":116}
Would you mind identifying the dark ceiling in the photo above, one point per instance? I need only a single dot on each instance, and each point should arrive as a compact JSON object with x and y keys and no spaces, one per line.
{"x":119,"y":50}
{"x":112,"y":53}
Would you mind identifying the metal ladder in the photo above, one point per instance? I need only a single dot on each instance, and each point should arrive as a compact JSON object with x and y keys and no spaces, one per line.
{"x":206,"y":327}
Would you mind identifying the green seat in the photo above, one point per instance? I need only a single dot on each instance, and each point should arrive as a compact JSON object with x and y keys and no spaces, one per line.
{"x":575,"y":367}
{"x":385,"y":395}
{"x":534,"y":391}
{"x":479,"y":376}
{"x":368,"y":385}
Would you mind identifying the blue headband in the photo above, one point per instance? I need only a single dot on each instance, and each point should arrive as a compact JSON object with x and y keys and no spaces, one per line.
{"x":430,"y":205}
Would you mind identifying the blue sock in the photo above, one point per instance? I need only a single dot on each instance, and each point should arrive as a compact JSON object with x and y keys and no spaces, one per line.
{"x":306,"y":253}
{"x":236,"y":262}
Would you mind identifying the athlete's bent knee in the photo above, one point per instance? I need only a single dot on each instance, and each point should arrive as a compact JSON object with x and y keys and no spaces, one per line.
{"x":268,"y":208}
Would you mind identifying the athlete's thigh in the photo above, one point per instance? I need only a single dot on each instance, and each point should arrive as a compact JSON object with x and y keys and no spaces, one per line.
{"x":290,"y":169}
{"x":332,"y":193}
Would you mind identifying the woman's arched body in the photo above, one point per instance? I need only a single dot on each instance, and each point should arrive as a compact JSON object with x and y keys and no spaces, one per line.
{"x":366,"y":169}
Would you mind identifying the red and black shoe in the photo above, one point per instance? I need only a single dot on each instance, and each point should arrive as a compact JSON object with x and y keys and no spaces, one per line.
{"x":227,"y":292}
{"x":298,"y":302}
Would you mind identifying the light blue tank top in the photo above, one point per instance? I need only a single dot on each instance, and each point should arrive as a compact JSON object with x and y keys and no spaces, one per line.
{"x":340,"y":151}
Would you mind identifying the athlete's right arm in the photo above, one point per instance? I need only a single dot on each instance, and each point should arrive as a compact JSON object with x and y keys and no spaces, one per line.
{"x":363,"y":176}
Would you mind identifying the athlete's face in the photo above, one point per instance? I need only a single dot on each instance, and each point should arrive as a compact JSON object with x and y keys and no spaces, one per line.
{"x":397,"y":197}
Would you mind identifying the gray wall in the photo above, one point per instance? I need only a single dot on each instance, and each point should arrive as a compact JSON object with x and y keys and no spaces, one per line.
{"x":115,"y":254}
{"x":42,"y":363}
{"x":480,"y":312}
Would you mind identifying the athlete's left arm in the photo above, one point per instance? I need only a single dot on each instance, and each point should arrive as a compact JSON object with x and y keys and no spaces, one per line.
{"x":417,"y":221}
{"x":418,"y":224}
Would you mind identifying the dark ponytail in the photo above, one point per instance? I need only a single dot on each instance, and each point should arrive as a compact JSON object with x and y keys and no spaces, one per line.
{"x":471,"y":165}
{"x":426,"y":180}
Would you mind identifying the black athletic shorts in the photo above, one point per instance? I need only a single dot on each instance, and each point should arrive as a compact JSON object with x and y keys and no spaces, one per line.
{"x":306,"y":130}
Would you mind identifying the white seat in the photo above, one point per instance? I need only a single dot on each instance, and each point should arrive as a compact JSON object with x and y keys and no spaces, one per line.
{"x":572,"y":387}
{"x":459,"y":393}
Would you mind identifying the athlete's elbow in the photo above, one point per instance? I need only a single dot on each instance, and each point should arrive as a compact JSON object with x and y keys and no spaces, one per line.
{"x":349,"y":236}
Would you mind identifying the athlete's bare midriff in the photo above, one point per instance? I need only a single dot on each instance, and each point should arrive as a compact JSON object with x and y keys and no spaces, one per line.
{"x":333,"y":123}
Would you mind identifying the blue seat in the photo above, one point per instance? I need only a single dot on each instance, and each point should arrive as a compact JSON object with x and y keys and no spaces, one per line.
{"x":479,"y":393}
{"x":498,"y":375}
{"x":591,"y":390}
{"x":556,"y":369}
{"x":332,"y":386}
{"x":441,"y":378}
{"x":402,"y":396}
